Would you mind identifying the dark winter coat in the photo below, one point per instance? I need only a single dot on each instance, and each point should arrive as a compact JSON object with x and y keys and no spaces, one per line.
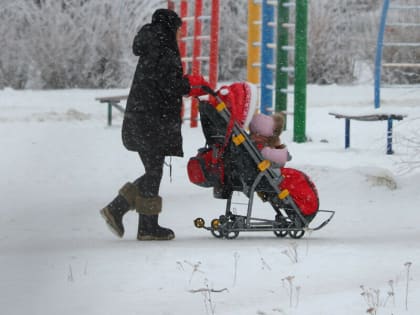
{"x":152,"y":121}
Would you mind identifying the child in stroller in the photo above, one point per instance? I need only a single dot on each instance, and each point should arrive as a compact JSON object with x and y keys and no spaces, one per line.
{"x":265,"y":133}
{"x":231,"y":161}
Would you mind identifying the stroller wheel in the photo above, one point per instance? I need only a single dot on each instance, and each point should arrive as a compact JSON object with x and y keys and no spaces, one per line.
{"x":296,"y":234}
{"x":280,"y":233}
{"x":231,"y":235}
{"x":222,"y":228}
{"x":216,"y":228}
{"x":216,"y":233}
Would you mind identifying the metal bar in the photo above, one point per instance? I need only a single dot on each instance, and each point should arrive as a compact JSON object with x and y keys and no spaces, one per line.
{"x":288,"y":48}
{"x":301,"y":35}
{"x":267,"y":57}
{"x":287,"y":91}
{"x":109,"y":113}
{"x":378,"y":58}
{"x":188,"y":18}
{"x":183,"y":45}
{"x":196,"y":65}
{"x":254,"y":41}
{"x":389,"y":44}
{"x":403,"y":24}
{"x":347,"y":133}
{"x":389,"y":137}
{"x":287,"y":69}
{"x":286,"y":24}
{"x":402,"y":65}
{"x":282,"y":58}
{"x":184,"y":31}
{"x":404,"y":7}
{"x":289,"y":4}
{"x":214,"y":44}
{"x":201,"y":37}
{"x":228,"y":204}
{"x":251,"y":198}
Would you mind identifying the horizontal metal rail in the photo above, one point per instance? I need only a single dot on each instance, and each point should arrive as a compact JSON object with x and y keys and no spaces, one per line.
{"x":403,"y":24}
{"x":396,"y":44}
{"x":401,"y":65}
{"x":404,"y":7}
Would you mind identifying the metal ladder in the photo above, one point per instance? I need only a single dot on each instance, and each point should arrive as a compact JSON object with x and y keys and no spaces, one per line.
{"x":286,"y":70}
{"x":204,"y":47}
{"x":394,"y":22}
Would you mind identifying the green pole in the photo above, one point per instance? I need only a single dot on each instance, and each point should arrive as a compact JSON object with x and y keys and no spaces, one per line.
{"x":301,"y":36}
{"x":282,"y":62}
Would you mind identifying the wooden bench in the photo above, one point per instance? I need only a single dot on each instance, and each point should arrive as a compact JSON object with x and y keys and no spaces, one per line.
{"x":371,"y":117}
{"x":112,"y":101}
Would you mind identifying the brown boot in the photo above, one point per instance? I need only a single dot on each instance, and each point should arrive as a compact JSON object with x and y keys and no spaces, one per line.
{"x":149,"y":229}
{"x":113,"y":215}
{"x":114,"y":212}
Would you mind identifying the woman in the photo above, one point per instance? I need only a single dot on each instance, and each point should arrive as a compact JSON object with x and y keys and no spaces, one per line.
{"x":152,"y":123}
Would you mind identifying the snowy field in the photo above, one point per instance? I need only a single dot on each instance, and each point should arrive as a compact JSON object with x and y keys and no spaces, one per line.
{"x":60,"y":164}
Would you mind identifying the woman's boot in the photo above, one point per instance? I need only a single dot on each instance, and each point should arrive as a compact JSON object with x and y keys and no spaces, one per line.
{"x":149,"y":229}
{"x":114,"y":212}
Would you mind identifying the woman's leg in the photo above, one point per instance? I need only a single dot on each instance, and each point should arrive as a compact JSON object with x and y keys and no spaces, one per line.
{"x":149,"y":184}
{"x":149,"y":203}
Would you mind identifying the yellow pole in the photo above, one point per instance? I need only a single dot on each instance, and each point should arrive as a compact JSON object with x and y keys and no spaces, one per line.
{"x":254,"y":41}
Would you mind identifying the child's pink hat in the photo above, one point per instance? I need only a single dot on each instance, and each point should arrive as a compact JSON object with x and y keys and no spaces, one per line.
{"x":262,"y":125}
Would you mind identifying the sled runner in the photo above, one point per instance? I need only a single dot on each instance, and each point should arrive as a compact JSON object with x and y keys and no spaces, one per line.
{"x":230,"y":162}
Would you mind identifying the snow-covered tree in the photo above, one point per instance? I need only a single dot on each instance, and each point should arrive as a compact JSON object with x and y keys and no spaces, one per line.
{"x":70,"y":43}
{"x":87,"y":43}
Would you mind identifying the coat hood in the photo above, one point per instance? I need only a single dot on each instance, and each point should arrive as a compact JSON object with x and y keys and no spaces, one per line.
{"x":168,"y":18}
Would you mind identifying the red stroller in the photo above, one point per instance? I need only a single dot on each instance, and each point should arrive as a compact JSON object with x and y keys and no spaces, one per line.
{"x":230,"y":162}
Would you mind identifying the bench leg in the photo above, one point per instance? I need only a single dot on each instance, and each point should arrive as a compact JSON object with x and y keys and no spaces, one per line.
{"x":347,"y":134}
{"x":389,"y":138}
{"x":109,"y":114}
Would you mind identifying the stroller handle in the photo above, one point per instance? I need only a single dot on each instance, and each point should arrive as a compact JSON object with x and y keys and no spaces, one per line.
{"x":206,"y":89}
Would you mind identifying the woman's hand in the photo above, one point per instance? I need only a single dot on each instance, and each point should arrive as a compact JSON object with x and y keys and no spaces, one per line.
{"x":196,"y":82}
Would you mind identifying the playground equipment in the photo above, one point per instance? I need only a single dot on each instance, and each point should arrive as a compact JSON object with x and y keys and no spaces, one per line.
{"x":397,"y":17}
{"x":276,"y":73}
{"x":192,"y":40}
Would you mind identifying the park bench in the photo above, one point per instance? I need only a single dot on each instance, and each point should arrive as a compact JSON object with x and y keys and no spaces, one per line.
{"x":112,"y":101}
{"x":370,"y":117}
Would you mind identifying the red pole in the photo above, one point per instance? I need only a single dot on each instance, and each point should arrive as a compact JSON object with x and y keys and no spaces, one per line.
{"x":184,"y":31}
{"x":182,"y":43}
{"x":196,"y":66}
{"x":214,"y":44}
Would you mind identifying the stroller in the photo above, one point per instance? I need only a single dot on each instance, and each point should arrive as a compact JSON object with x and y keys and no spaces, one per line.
{"x":230,"y":162}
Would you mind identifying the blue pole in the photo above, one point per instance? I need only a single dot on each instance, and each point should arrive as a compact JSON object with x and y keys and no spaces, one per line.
{"x":267,"y":58}
{"x":379,"y":47}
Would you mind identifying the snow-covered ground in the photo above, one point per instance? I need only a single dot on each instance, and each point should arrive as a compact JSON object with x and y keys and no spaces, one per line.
{"x":60,"y":164}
